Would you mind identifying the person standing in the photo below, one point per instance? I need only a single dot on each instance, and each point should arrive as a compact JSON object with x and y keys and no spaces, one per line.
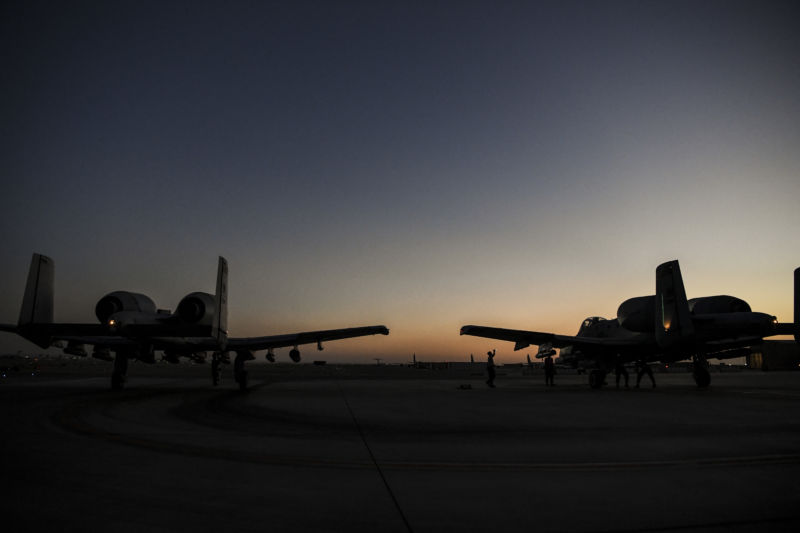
{"x":619,"y":370}
{"x":490,"y":368}
{"x":549,"y":371}
{"x":643,"y":368}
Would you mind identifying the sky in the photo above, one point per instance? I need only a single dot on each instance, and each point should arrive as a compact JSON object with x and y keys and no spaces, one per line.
{"x":422,"y":165}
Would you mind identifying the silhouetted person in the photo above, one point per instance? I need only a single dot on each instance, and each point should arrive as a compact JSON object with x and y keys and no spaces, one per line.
{"x":619,"y":370}
{"x":549,"y":371}
{"x":643,"y":368}
{"x":490,"y":368}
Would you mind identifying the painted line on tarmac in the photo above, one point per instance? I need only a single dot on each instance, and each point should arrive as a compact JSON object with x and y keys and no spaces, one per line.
{"x":764,"y":524}
{"x":70,"y":418}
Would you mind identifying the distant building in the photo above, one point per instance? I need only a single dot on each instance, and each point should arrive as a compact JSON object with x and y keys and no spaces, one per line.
{"x":775,"y":355}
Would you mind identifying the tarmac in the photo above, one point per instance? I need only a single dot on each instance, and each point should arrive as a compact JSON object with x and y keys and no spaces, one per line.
{"x":348,"y":448}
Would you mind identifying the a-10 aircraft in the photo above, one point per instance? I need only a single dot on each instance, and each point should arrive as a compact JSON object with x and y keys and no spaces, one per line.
{"x":132,"y":327}
{"x":663,"y":327}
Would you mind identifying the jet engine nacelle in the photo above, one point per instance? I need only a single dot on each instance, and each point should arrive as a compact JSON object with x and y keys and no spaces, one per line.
{"x":710,"y":305}
{"x":294,"y":353}
{"x":637,"y":314}
{"x":196,"y":308}
{"x":114,"y":302}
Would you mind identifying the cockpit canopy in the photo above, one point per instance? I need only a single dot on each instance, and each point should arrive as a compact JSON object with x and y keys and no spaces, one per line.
{"x":589,"y":322}
{"x":592,"y":320}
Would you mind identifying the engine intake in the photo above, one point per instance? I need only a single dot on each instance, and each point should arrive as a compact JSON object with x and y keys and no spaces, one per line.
{"x":117,"y":301}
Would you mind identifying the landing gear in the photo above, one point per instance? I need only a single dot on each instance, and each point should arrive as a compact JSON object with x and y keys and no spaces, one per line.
{"x":216,"y":368}
{"x":239,"y":373}
{"x":241,"y":379}
{"x":700,"y":371}
{"x":120,"y":370}
{"x":597,"y":378}
{"x":117,"y":381}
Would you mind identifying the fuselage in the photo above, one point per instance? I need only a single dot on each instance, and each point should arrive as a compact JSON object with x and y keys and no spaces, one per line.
{"x":715,"y":334}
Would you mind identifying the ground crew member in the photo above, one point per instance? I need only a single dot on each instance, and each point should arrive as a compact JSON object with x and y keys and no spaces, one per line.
{"x":490,"y":368}
{"x":619,"y":370}
{"x":643,"y":368}
{"x":549,"y":371}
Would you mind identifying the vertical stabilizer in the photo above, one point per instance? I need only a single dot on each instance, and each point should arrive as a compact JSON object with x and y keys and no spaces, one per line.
{"x":37,"y":304}
{"x":797,"y":305}
{"x":221,"y":302}
{"x":673,"y":322}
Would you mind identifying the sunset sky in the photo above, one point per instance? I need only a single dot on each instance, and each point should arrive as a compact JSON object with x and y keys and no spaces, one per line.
{"x":421,"y":165}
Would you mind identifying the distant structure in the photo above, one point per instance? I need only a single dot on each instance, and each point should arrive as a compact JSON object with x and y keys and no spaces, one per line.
{"x":775,"y":355}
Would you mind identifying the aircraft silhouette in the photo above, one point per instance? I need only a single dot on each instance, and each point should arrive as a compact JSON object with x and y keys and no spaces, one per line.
{"x":663,"y":327}
{"x":130,"y":325}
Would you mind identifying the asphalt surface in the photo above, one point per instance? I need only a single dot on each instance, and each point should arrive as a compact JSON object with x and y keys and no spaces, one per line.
{"x":398,"y":449}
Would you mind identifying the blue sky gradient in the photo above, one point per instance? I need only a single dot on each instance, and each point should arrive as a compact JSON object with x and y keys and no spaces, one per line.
{"x":422,"y":165}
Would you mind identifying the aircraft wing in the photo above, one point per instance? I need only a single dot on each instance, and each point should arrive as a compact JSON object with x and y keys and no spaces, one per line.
{"x":309,"y":337}
{"x":523,"y":338}
{"x":99,"y":334}
{"x":98,"y":340}
{"x":59,"y":331}
{"x":44,"y":335}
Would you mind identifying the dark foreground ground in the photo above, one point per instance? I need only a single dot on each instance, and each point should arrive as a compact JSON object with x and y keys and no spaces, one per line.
{"x":396,"y":449}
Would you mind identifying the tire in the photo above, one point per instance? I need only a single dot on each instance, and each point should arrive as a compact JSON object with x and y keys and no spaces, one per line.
{"x":117,"y":381}
{"x":596,"y":379}
{"x":701,"y":377}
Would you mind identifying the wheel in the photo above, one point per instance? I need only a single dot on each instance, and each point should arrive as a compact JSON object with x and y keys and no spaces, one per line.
{"x":215,"y":372}
{"x":596,"y":379}
{"x":241,"y":378}
{"x":701,"y":377}
{"x":117,"y":381}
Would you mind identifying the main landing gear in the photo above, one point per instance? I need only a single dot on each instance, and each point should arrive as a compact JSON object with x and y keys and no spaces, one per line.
{"x":216,"y":368}
{"x":597,"y":378}
{"x":120,"y":370}
{"x":700,"y":371}
{"x":239,"y":373}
